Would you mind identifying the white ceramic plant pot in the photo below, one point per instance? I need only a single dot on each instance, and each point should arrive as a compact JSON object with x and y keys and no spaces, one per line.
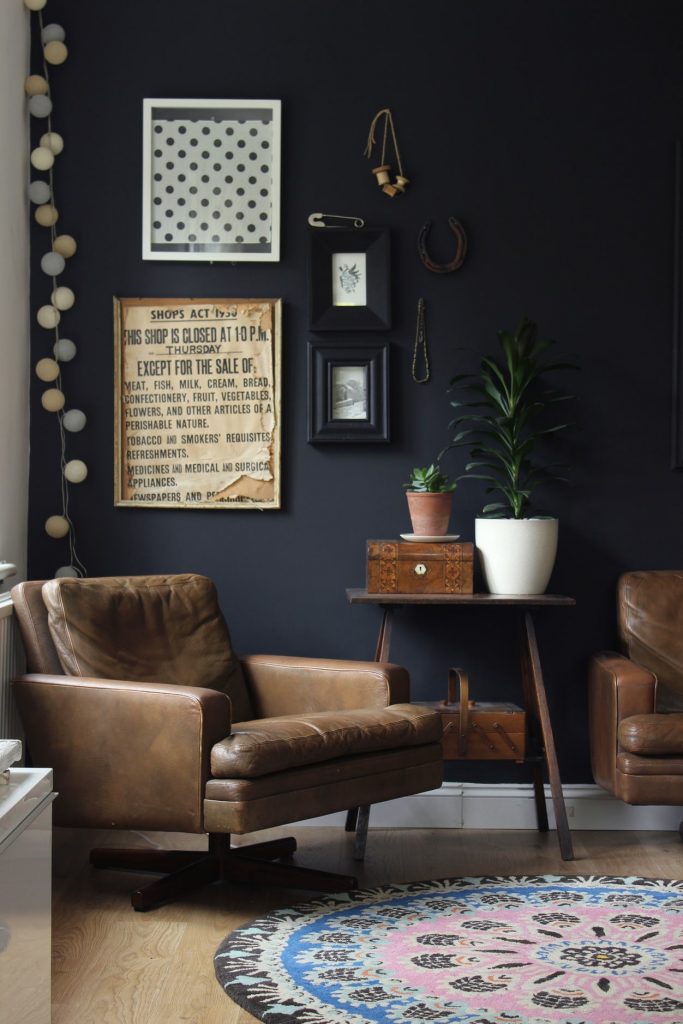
{"x":517,"y":555}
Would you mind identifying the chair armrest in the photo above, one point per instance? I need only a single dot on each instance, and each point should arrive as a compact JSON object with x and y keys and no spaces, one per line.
{"x":124,"y":754}
{"x":282,"y":685}
{"x":617,"y":689}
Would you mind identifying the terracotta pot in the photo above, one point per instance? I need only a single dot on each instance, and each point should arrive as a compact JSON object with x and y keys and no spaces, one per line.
{"x":430,"y":512}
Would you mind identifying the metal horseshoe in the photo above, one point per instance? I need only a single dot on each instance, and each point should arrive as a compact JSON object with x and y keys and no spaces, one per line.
{"x":460,"y":252}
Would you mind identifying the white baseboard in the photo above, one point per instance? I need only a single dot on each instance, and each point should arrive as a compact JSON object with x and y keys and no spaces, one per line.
{"x":503,"y":806}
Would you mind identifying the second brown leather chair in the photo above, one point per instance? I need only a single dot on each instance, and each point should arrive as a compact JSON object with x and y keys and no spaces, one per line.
{"x":136,"y":700}
{"x":636,"y":696}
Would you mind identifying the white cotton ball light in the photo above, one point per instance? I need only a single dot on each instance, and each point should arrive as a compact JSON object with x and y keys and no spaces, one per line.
{"x":46,"y":215}
{"x":63,"y":298}
{"x":75,"y":471}
{"x":74,"y":420}
{"x":47,"y":369}
{"x":34,"y":5}
{"x":57,"y":526}
{"x":65,"y":245}
{"x":55,"y":52}
{"x":40,"y":106}
{"x":48,"y":317}
{"x":52,"y":264}
{"x":52,"y":400}
{"x":52,"y":141}
{"x":66,"y":572}
{"x":64,"y":350}
{"x":42,"y":158}
{"x":36,"y":85}
{"x":52,"y":32}
{"x":39,"y":192}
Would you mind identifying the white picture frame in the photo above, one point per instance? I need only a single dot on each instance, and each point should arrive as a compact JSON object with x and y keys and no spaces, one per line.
{"x":211,"y":180}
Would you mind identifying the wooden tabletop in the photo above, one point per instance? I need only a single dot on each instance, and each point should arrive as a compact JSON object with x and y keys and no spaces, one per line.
{"x":359,"y":595}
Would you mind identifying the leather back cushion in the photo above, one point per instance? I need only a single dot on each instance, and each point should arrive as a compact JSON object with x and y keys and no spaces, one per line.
{"x":166,"y":629}
{"x":651,"y":628}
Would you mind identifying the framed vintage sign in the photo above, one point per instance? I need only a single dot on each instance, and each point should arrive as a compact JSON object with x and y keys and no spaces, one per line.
{"x":349,"y":280}
{"x":348,"y":391}
{"x":197,"y":403}
{"x":211,"y":180}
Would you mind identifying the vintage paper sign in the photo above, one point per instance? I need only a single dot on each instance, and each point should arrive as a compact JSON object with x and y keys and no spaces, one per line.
{"x":197,"y":403}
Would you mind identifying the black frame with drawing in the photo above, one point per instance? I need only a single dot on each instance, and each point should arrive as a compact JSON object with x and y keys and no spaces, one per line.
{"x":348,"y":392}
{"x":349,"y":279}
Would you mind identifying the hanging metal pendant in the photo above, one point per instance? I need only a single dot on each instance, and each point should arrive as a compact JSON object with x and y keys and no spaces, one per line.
{"x":460,"y":252}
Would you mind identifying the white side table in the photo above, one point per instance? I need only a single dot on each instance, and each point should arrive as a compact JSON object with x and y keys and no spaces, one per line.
{"x":25,"y":895}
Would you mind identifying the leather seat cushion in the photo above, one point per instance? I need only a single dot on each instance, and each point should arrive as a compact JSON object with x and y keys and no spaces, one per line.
{"x":267,"y":745}
{"x":146,"y":629}
{"x":652,"y":735}
{"x":633,"y":765}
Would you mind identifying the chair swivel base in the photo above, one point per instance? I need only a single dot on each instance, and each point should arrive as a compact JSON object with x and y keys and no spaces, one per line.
{"x":185,"y":870}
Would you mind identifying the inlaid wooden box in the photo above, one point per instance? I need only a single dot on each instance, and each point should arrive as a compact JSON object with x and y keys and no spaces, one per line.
{"x":419,"y":567}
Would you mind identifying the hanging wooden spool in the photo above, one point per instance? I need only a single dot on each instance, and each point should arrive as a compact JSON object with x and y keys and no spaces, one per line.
{"x":401,"y":183}
{"x":382,"y":174}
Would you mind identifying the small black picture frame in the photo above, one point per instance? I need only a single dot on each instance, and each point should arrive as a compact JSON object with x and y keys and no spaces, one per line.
{"x":348,"y":392}
{"x":349,"y":279}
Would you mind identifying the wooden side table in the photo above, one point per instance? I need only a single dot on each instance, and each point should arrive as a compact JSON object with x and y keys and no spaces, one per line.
{"x":542,"y":750}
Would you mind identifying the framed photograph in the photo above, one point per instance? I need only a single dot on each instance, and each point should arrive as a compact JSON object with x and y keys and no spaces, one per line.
{"x":197,"y":403}
{"x":211,"y":180}
{"x":348,"y":397}
{"x":349,"y":279}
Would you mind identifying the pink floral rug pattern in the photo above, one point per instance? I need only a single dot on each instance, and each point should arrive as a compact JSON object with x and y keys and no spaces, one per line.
{"x":489,"y":950}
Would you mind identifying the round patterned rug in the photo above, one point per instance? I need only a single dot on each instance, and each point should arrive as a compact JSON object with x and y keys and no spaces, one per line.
{"x":552,"y":949}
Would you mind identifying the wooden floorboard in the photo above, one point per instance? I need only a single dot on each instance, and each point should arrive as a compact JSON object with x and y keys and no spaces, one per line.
{"x":112,"y":965}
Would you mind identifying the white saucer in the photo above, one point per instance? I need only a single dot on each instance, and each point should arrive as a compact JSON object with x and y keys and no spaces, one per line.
{"x":443,"y":539}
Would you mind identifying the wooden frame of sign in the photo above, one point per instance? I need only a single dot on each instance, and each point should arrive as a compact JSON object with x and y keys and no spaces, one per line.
{"x":197,"y":403}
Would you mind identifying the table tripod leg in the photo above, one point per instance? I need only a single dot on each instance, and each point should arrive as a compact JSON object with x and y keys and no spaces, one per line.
{"x":534,"y":688}
{"x":384,"y":637}
{"x":539,"y":798}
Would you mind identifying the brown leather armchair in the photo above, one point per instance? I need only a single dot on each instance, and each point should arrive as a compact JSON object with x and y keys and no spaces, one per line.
{"x":636,"y":697}
{"x":136,"y":700}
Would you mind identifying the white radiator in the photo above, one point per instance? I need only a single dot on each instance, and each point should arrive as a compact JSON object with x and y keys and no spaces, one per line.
{"x":11,"y":664}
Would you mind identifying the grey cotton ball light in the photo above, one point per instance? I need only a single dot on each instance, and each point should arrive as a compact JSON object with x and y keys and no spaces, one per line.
{"x":39,"y":192}
{"x":40,"y":106}
{"x":52,"y":264}
{"x":73,"y":420}
{"x":52,"y":32}
{"x":64,"y":350}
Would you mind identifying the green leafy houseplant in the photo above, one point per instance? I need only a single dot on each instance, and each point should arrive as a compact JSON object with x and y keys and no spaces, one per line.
{"x":429,"y":479}
{"x":505,"y":417}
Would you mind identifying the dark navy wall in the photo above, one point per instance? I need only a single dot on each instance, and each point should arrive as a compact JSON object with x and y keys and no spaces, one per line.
{"x":548,"y":128}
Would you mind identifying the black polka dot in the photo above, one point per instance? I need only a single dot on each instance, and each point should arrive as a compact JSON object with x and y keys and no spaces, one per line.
{"x":205,"y":202}
{"x":252,"y":156}
{"x":182,"y":129}
{"x":215,"y":214}
{"x":193,"y":166}
{"x":182,"y":153}
{"x":265,"y":168}
{"x":240,"y":167}
{"x":204,"y":227}
{"x":251,"y":227}
{"x":227,"y":203}
{"x":157,"y":153}
{"x":215,"y":238}
{"x":181,"y":201}
{"x":251,"y":204}
{"x":157,"y":177}
{"x":170,"y":141}
{"x":263,"y":192}
{"x":158,"y":129}
{"x":217,"y":167}
{"x":205,"y":177}
{"x":181,"y":225}
{"x":263,"y":239}
{"x":205,"y":130}
{"x":240,"y":215}
{"x":239,"y":238}
{"x":252,"y":131}
{"x":192,"y":238}
{"x":170,"y":190}
{"x":170,"y":165}
{"x":241,"y":144}
{"x":205,"y":154}
{"x":193,"y":190}
{"x":157,"y":223}
{"x":193,"y":142}
{"x":168,"y":237}
{"x":227,"y":227}
{"x":157,"y":201}
{"x":240,"y":191}
{"x":265,"y":145}
{"x":263,"y":216}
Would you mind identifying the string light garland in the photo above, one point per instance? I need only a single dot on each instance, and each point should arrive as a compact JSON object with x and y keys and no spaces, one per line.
{"x":62,"y":298}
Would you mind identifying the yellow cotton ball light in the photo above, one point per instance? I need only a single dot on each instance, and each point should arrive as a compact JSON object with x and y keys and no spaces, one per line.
{"x":65,"y":245}
{"x":52,"y":400}
{"x":55,"y":52}
{"x":52,"y":141}
{"x":63,"y":297}
{"x":75,"y":471}
{"x":57,"y":526}
{"x":48,"y":317}
{"x":36,"y":85}
{"x":47,"y":369}
{"x":42,"y":158}
{"x":46,"y":215}
{"x":35,"y":5}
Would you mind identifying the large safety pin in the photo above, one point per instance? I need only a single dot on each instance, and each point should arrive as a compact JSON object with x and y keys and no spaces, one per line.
{"x":460,"y":252}
{"x":316,"y":220}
